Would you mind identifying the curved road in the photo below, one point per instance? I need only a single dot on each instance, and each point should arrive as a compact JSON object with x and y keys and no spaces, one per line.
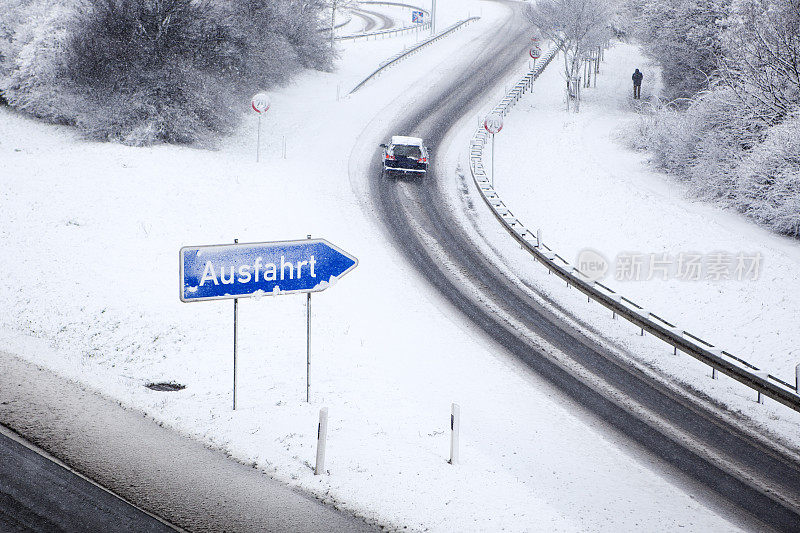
{"x":372,"y":19}
{"x":758,"y":483}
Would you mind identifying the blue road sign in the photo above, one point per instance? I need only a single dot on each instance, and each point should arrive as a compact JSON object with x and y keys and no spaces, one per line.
{"x":264,"y":268}
{"x":417,"y":17}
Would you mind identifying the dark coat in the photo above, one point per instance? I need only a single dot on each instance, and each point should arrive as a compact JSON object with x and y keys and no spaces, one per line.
{"x":637,"y":77}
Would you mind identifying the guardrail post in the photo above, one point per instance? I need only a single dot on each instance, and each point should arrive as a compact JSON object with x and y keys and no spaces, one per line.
{"x":797,"y":379}
{"x":763,"y":375}
{"x":455,"y":422}
{"x":322,"y":434}
{"x":718,"y":353}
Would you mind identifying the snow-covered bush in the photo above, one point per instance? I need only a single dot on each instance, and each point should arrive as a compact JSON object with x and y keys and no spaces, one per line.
{"x":738,"y":142}
{"x":33,"y":77}
{"x":144,"y":71}
{"x":280,"y":37}
{"x":761,"y":58}
{"x":669,"y":136}
{"x":768,"y":179}
{"x":683,"y":36}
{"x":725,"y":152}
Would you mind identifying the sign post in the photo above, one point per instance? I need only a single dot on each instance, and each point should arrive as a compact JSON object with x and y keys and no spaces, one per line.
{"x":260,"y":103}
{"x":235,"y":339}
{"x":535,"y":53}
{"x":493,"y":124}
{"x":233,"y":271}
{"x":308,"y":342}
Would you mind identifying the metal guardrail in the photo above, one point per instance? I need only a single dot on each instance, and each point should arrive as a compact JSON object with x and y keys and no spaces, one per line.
{"x":402,"y":55}
{"x":740,"y":370}
{"x":384,"y":33}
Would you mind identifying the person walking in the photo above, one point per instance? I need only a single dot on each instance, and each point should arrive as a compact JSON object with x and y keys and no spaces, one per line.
{"x":637,"y":84}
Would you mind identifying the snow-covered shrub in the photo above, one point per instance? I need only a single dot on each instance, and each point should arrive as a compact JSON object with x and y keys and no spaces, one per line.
{"x":761,"y":58}
{"x":728,"y":128}
{"x":144,"y":71}
{"x":12,"y":14}
{"x":768,"y":179}
{"x":739,"y":141}
{"x":33,"y":77}
{"x":280,"y":37}
{"x":725,"y":152}
{"x":683,"y":36}
{"x":155,"y":71}
{"x":669,"y":136}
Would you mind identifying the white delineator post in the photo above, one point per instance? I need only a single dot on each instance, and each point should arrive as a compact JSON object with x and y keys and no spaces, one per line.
{"x":322,"y":432}
{"x":455,"y":422}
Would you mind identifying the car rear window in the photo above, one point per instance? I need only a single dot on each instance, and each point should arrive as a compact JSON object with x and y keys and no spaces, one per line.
{"x":406,"y":150}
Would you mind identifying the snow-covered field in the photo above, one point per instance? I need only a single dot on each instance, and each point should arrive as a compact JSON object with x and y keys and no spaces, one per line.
{"x":91,"y":234}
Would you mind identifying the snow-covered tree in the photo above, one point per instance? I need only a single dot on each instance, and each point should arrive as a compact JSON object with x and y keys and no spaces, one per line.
{"x":334,"y":6}
{"x":761,"y":60}
{"x":578,"y":25}
{"x":683,"y":36}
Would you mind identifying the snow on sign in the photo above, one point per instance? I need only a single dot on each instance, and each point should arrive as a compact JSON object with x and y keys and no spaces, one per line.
{"x":417,"y":17}
{"x":261,"y":102}
{"x":493,"y":123}
{"x":266,"y":268}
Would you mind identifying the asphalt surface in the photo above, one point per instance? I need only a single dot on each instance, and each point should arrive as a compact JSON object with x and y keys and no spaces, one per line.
{"x":170,"y":475}
{"x":37,"y":494}
{"x":755,"y":483}
{"x":373,"y":19}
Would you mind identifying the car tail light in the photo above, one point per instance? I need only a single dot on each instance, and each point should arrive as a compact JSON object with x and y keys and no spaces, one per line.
{"x":423,"y":160}
{"x":389,"y":157}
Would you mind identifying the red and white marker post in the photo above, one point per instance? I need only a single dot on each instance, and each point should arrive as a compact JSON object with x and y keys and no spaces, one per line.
{"x":493,"y":124}
{"x":260,"y":103}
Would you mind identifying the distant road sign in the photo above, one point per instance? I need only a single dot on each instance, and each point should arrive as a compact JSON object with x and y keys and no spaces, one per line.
{"x":536,"y":52}
{"x":261,"y":102}
{"x":268,"y":268}
{"x":493,"y":123}
{"x":417,"y":17}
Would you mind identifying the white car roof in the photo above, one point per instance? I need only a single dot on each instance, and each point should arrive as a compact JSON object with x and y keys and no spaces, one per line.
{"x":412,"y":141}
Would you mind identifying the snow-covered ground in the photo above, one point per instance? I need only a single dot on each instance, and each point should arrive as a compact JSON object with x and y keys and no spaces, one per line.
{"x":91,"y":234}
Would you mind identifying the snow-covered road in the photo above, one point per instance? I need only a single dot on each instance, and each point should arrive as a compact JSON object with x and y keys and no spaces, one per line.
{"x":684,"y":434}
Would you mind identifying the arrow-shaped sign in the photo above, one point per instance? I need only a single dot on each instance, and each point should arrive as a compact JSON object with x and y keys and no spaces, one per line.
{"x":265,"y":268}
